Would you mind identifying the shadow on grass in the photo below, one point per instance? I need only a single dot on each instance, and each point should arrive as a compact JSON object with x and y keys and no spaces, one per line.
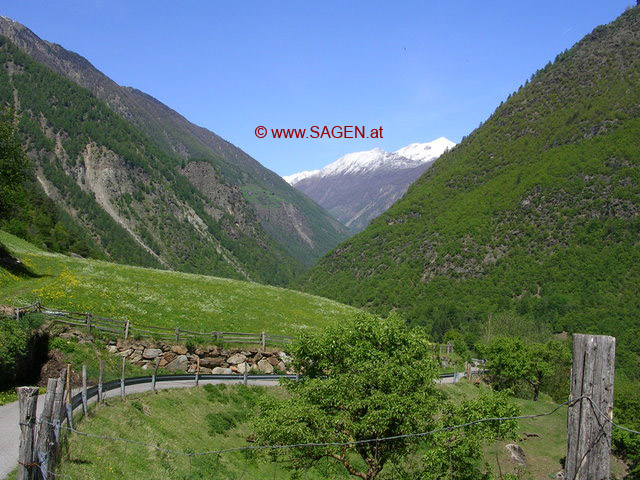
{"x":14,"y":265}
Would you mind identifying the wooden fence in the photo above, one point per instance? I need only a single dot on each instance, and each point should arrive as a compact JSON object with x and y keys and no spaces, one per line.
{"x":129,"y":329}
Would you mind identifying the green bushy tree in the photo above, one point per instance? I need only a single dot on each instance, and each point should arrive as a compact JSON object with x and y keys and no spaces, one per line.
{"x":514,"y":363}
{"x":364,"y":379}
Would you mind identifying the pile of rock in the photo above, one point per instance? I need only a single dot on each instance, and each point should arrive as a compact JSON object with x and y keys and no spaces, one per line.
{"x":213,"y":359}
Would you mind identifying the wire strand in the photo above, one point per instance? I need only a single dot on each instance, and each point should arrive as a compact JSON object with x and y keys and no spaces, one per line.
{"x":344,"y":444}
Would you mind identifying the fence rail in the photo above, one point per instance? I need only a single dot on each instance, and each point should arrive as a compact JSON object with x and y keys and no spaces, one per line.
{"x":128,"y":328}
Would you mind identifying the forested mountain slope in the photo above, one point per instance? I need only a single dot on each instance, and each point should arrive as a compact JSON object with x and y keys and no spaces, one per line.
{"x":251,"y":205}
{"x":125,"y":196}
{"x":536,"y":212}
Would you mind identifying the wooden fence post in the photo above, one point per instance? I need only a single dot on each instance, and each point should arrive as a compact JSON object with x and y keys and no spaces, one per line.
{"x":263,"y":340}
{"x":245,"y":375}
{"x":45,"y":440}
{"x":56,"y":418}
{"x":100,"y":378}
{"x":589,"y":439}
{"x":85,"y":406}
{"x":69,"y":407}
{"x":87,"y":321}
{"x":124,"y":363}
{"x":177,"y":335}
{"x":27,"y":402}
{"x":126,"y":330}
{"x":197,"y":369}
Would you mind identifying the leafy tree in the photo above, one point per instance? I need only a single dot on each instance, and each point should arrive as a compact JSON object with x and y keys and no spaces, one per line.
{"x":457,"y":454}
{"x":14,"y":164}
{"x":364,"y":379}
{"x":512,"y":362}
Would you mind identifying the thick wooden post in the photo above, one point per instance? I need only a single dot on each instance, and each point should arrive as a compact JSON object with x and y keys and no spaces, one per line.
{"x":85,"y":406}
{"x":56,"y":418}
{"x":263,"y":340}
{"x":245,"y":375}
{"x":27,"y":403}
{"x":126,"y":330}
{"x":124,"y":363}
{"x":589,"y":440}
{"x":88,"y":321}
{"x":177,"y":335}
{"x":45,"y":440}
{"x":68,"y":405}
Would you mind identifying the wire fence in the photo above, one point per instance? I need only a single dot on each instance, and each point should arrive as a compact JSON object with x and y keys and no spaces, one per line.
{"x":355,"y":442}
{"x":190,"y":456}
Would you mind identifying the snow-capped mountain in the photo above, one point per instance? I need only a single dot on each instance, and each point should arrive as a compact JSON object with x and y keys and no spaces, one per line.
{"x":359,"y":186}
{"x":426,"y":152}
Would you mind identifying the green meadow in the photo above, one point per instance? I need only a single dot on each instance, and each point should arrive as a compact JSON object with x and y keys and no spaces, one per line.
{"x":158,"y":297}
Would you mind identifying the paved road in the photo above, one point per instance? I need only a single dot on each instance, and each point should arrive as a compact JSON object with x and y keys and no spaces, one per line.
{"x":10,"y":430}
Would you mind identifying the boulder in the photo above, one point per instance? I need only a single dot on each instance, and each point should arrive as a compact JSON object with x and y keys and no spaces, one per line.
{"x":273,"y":361}
{"x":181,"y":363}
{"x":236,"y":359}
{"x":112,"y":349}
{"x":264,"y":366}
{"x":151,"y":353}
{"x":221,"y":371}
{"x":163,"y":362}
{"x":211,"y":362}
{"x":135,"y":357}
{"x":257,"y":357}
{"x":243,"y":367}
{"x":126,"y":353}
{"x":517,"y":453}
{"x":283,"y":356}
{"x":169,"y":356}
{"x":282,"y":367}
{"x":179,"y":350}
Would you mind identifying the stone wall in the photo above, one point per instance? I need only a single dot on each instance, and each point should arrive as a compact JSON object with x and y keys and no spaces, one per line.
{"x":213,"y":359}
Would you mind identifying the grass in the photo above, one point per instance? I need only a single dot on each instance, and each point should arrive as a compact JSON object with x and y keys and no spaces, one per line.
{"x":186,"y":420}
{"x":217,"y":417}
{"x":543,"y":439}
{"x":162,"y":298}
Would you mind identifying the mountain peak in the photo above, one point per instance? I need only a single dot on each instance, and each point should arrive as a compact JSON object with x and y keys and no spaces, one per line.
{"x":426,"y":152}
{"x":359,"y":186}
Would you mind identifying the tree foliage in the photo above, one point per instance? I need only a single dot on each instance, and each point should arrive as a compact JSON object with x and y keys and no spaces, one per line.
{"x":513,"y":363}
{"x":364,"y":379}
{"x":14,"y":164}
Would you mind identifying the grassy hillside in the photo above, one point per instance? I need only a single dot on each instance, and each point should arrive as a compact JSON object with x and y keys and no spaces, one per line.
{"x":537,"y":212}
{"x":219,"y":417}
{"x":159,"y":297}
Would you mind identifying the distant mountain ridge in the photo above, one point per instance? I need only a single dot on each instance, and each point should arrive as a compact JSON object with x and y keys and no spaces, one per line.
{"x":207,"y":186}
{"x":359,"y":186}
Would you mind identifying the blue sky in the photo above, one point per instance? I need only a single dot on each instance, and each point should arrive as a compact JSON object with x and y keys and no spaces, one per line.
{"x":419,"y":69}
